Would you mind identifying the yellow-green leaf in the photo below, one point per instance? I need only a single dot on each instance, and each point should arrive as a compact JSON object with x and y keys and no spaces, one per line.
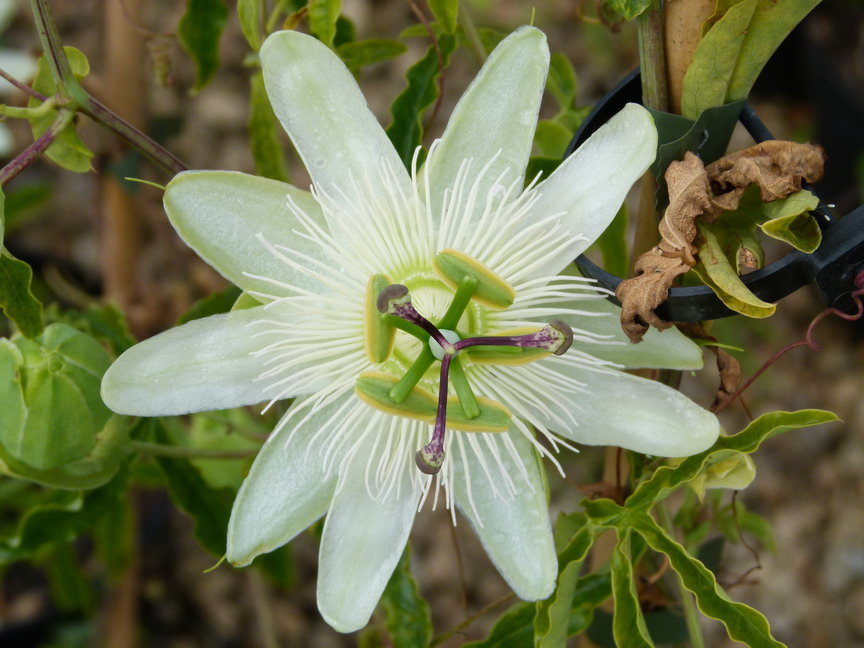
{"x":199,"y":31}
{"x":323,"y":15}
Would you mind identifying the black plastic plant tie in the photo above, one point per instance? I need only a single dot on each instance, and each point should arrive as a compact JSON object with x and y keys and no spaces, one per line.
{"x":832,"y":268}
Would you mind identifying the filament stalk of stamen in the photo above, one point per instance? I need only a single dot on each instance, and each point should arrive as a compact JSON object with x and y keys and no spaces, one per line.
{"x":556,"y":337}
{"x":463,"y":389}
{"x":415,"y":373}
{"x":459,"y":303}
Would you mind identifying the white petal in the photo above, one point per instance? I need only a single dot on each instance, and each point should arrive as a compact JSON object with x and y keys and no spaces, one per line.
{"x":320,"y":106}
{"x":497,"y":115}
{"x":669,"y":349}
{"x":632,"y":412}
{"x":362,"y":542}
{"x":514,"y":528}
{"x":590,"y":185}
{"x":287,"y":488}
{"x":220,"y":213}
{"x":202,"y":365}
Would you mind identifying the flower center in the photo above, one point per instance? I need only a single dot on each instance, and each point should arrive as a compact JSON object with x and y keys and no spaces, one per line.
{"x":442,"y":342}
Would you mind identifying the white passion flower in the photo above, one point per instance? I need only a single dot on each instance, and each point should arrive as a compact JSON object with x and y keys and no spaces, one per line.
{"x":377,"y":288}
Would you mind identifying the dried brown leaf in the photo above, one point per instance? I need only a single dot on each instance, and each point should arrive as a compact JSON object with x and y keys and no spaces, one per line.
{"x":689,"y":198}
{"x":727,"y":365}
{"x":777,"y":166}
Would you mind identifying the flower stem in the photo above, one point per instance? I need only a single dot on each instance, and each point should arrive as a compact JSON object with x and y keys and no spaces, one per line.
{"x":471,"y":33}
{"x":26,"y":157}
{"x":652,"y":57}
{"x":79,"y":100}
{"x":181,"y":452}
{"x":22,"y":87}
{"x":691,"y":613}
{"x":15,"y":112}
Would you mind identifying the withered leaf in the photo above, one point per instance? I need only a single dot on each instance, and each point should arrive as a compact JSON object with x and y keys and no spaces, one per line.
{"x":777,"y":167}
{"x":689,"y":194}
{"x":727,"y":364}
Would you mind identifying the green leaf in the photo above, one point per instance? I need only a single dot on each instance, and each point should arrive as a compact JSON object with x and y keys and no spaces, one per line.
{"x":323,"y":15}
{"x":771,"y":23}
{"x":715,"y":269}
{"x":667,"y":478}
{"x":551,"y":138}
{"x":541,"y":164}
{"x":407,"y":616}
{"x":249,"y":15}
{"x":70,"y":589}
{"x":551,"y":618}
{"x":406,"y":130}
{"x":199,"y":31}
{"x":561,"y":82}
{"x":628,"y":9}
{"x":16,"y":299}
{"x":612,"y":244}
{"x":359,"y":54}
{"x":628,"y":624}
{"x":218,"y":302}
{"x":790,"y":220}
{"x":706,"y":82}
{"x":743,"y":623}
{"x":226,"y":430}
{"x":264,"y":133}
{"x":446,"y":12}
{"x":26,"y":203}
{"x":513,"y":629}
{"x":63,"y":518}
{"x":105,"y":322}
{"x":2,"y":217}
{"x":209,"y":508}
{"x":67,"y":149}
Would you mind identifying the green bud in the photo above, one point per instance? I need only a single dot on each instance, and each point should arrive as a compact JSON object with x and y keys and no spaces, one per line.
{"x":55,"y":427}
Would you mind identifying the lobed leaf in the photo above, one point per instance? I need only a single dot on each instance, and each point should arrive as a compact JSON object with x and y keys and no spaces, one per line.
{"x":406,"y":130}
{"x":406,"y":612}
{"x":199,"y":31}
{"x":667,"y":478}
{"x":16,"y":299}
{"x":742,"y":622}
{"x":628,"y":623}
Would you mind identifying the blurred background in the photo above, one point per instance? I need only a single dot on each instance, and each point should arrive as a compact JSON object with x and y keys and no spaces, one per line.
{"x":93,"y":235}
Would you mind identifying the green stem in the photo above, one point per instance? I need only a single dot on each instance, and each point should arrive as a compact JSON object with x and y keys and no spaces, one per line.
{"x":26,"y":157}
{"x":278,"y":10}
{"x":471,"y":33}
{"x":691,"y":612}
{"x":652,"y":57}
{"x":16,"y":112}
{"x":61,"y":70}
{"x":181,"y":452}
{"x":79,"y":100}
